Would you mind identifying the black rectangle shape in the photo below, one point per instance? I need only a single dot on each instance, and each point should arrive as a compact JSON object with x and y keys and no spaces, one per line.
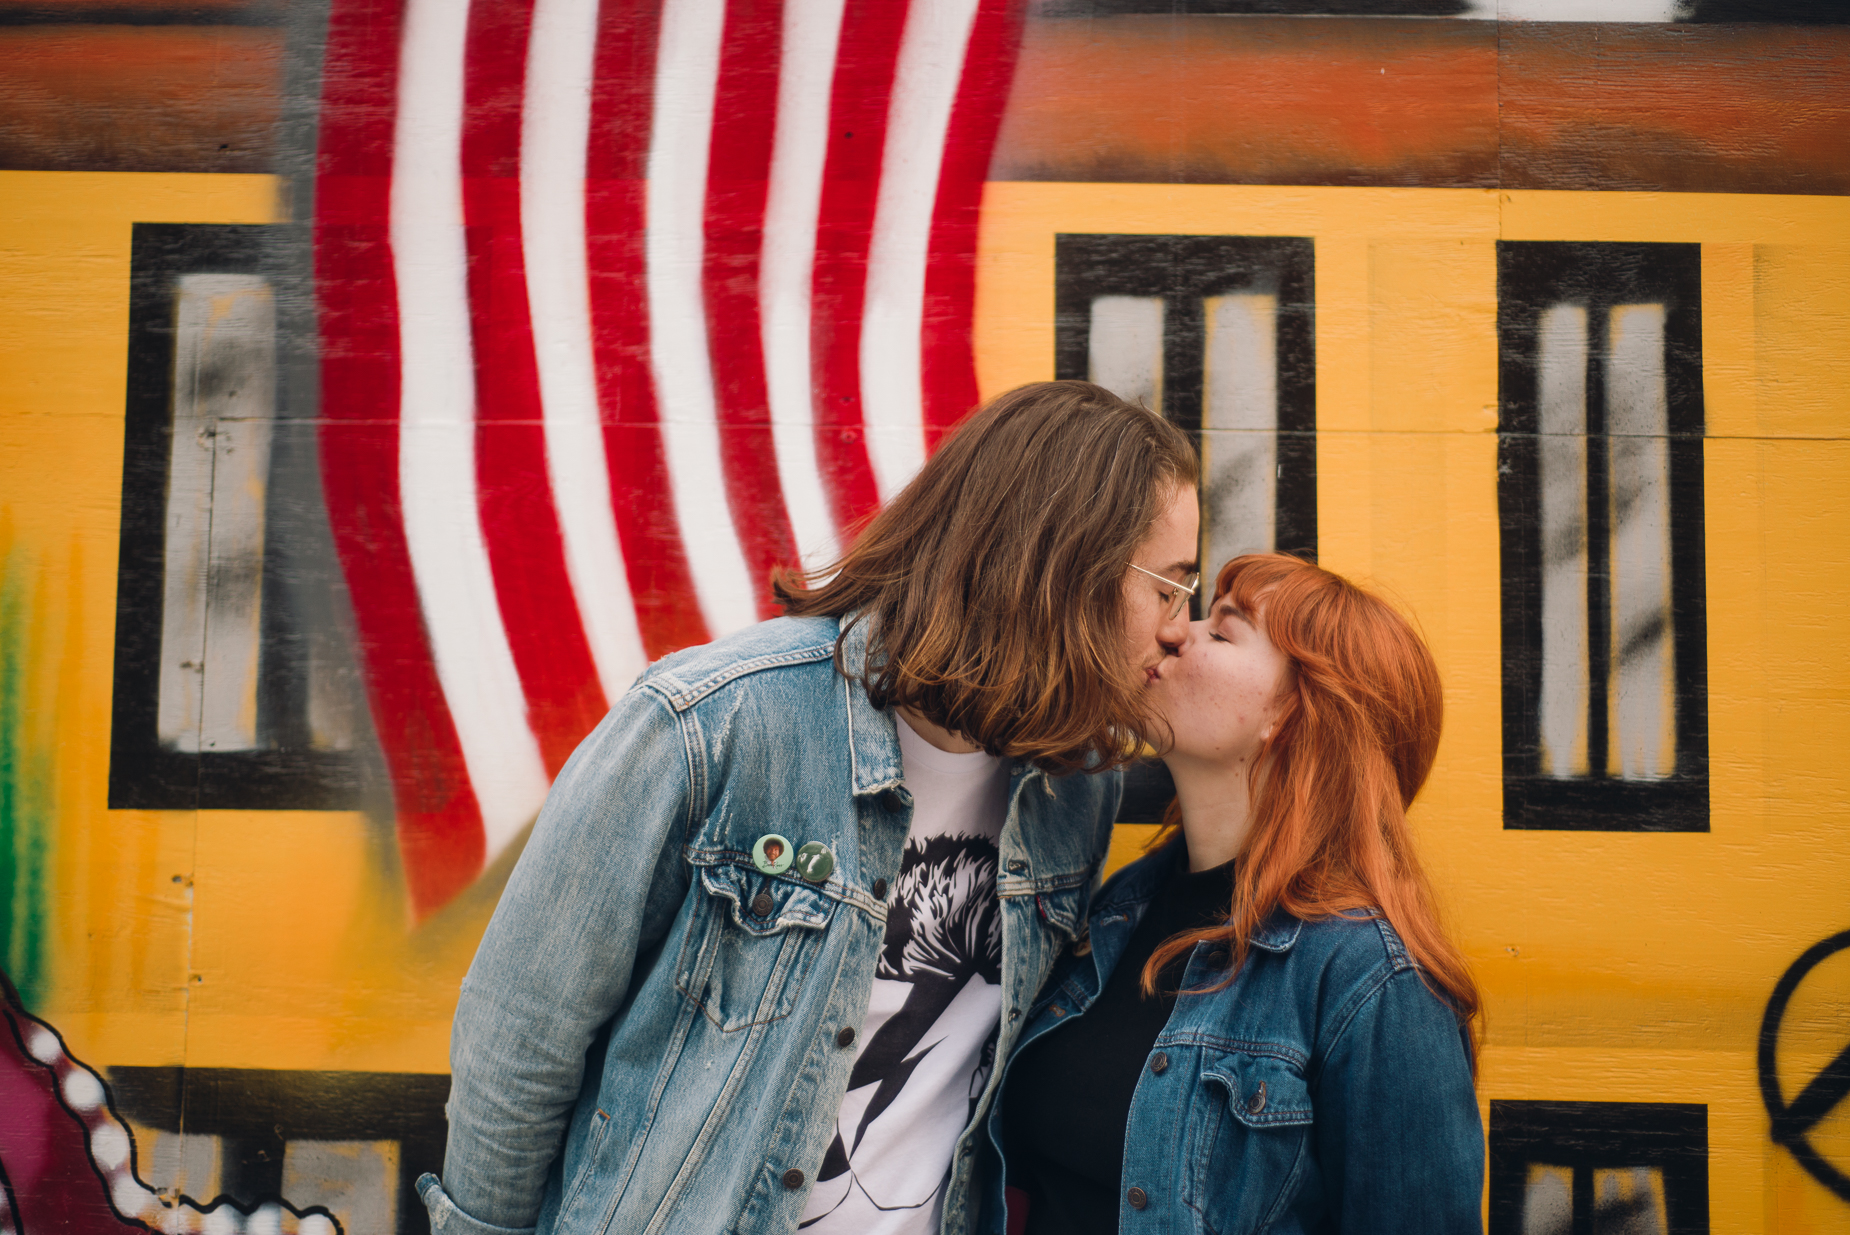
{"x":143,"y":774}
{"x":1531,"y":276}
{"x":1184,"y":270}
{"x":1587,"y":1136}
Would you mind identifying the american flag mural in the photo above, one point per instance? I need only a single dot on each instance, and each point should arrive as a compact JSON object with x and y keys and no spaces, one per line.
{"x":622,"y":306}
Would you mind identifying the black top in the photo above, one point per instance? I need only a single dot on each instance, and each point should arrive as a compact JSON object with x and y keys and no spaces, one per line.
{"x":1069,"y":1091}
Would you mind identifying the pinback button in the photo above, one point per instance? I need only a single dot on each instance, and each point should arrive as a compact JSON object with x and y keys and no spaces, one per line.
{"x":815,"y":863}
{"x":773,"y":854}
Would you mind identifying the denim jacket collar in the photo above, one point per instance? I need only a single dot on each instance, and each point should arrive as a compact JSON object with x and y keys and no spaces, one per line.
{"x":873,"y":735}
{"x":1277,"y":933}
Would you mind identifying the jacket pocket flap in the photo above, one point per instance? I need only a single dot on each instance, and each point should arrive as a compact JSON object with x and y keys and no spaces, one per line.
{"x":1263,"y":1091}
{"x":1061,"y":909}
{"x":767,"y":904}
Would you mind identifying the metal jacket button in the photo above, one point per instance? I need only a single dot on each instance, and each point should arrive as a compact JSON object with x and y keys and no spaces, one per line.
{"x":762,"y":904}
{"x":793,"y":1179}
{"x":1256,"y":1103}
{"x":1137,"y":1197}
{"x":1159,"y":1063}
{"x":879,"y":889}
{"x":815,"y":863}
{"x":772,"y":854}
{"x":846,"y":1037}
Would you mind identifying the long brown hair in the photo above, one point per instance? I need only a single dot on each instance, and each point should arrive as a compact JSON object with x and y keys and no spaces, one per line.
{"x":1354,"y":738}
{"x":993,"y":584}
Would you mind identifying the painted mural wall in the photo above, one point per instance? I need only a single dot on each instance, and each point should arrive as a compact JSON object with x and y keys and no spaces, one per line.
{"x":383,"y":383}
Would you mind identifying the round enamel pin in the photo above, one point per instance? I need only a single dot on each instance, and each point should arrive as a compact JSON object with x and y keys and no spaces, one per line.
{"x":815,"y":863}
{"x":773,"y":854}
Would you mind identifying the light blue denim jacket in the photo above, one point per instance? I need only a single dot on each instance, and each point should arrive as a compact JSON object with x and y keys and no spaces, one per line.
{"x":1325,"y":1089}
{"x":641,"y":1045}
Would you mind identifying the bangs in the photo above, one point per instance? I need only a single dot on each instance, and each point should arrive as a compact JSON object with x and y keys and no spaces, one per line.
{"x":1257,"y":580}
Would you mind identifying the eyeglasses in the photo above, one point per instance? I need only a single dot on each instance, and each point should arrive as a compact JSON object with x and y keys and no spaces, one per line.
{"x":1178,"y":599}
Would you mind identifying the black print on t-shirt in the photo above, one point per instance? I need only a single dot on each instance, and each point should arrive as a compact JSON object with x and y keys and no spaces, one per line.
{"x":944,"y":927}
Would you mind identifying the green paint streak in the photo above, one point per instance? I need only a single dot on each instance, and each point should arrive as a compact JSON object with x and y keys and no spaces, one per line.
{"x":25,"y":815}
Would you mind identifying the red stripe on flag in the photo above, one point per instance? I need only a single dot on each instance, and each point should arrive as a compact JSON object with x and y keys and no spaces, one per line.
{"x":519,"y":522}
{"x":862,"y":91}
{"x":654,"y":556}
{"x":738,"y":182}
{"x":949,"y":360}
{"x":439,"y":823}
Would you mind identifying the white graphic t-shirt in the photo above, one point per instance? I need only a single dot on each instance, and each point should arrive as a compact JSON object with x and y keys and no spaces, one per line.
{"x":929,"y":1040}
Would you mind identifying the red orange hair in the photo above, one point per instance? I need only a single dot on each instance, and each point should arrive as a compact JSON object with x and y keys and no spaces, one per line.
{"x":1355,"y":736}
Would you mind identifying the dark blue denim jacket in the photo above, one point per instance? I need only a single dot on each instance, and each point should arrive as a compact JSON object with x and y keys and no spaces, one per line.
{"x":1326,"y":1089}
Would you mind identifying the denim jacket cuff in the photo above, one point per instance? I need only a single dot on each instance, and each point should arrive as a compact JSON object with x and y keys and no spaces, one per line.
{"x":447,"y":1218}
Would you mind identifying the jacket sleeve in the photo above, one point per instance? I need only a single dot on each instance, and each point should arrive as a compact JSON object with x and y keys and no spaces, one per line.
{"x":599,"y":882}
{"x":1398,"y":1132}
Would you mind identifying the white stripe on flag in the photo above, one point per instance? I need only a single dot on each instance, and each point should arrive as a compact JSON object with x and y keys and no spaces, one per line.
{"x":436,"y":442}
{"x":686,"y":76}
{"x":555,"y":131}
{"x":799,"y":152}
{"x":931,"y":62}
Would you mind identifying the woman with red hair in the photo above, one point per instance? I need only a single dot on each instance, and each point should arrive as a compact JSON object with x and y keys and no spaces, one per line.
{"x":1263,"y":1027}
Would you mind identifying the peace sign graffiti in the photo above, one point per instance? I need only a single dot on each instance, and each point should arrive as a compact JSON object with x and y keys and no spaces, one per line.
{"x":1792,"y":1121}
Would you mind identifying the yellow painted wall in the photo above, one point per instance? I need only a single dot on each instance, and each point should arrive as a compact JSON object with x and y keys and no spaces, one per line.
{"x":1616,"y":966}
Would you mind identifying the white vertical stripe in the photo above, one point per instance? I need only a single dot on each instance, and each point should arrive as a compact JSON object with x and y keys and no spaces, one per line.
{"x":1239,"y":407}
{"x":1642,"y":703}
{"x":799,"y":154}
{"x":555,"y":131}
{"x":436,"y":442}
{"x":1548,"y":1198}
{"x":1561,"y":415}
{"x":1124,"y":348}
{"x":931,"y":63}
{"x":234,"y":634}
{"x":686,"y":76}
{"x":185,"y":564}
{"x":224,"y":390}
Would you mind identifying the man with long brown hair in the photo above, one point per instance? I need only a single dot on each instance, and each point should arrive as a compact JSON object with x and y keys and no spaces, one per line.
{"x":785,"y":909}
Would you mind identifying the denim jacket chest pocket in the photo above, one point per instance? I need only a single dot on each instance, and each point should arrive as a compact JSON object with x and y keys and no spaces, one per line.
{"x":1253,"y":1127}
{"x":750,"y":943}
{"x":1063,"y":910}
